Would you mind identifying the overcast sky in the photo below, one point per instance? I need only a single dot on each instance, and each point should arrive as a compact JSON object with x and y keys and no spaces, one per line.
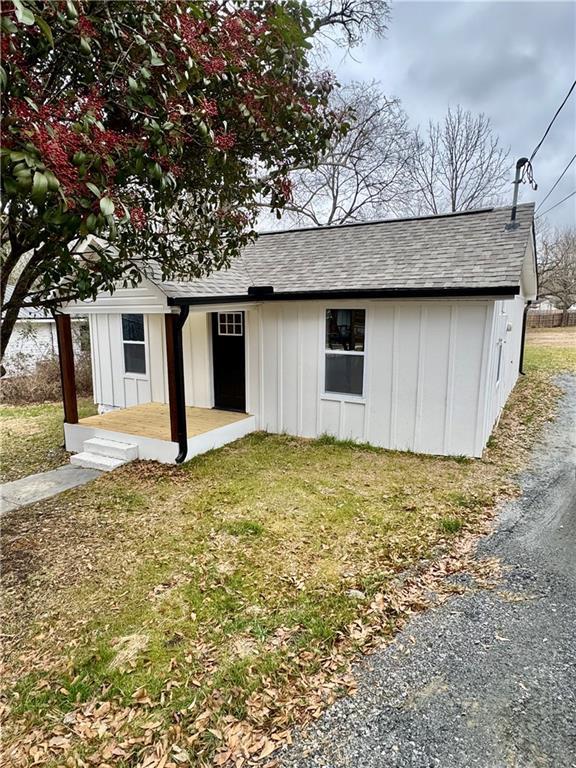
{"x":514,"y":61}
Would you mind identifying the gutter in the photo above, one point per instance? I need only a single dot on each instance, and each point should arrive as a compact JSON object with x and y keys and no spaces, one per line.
{"x":259,"y":295}
{"x":523,"y":340}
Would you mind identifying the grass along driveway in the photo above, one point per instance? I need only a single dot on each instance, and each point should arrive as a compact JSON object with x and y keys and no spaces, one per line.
{"x":191,"y":615}
{"x":32,"y":438}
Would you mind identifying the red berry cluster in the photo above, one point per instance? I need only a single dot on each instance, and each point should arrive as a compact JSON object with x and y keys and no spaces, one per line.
{"x":214,"y":66}
{"x":284,"y":187}
{"x":85,"y":27}
{"x":138,"y":217}
{"x":55,"y":150}
{"x":209,"y":107}
{"x":225,"y":141}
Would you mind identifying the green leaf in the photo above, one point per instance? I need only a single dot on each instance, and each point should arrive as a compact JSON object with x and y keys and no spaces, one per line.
{"x":91,"y":222}
{"x":93,"y":188}
{"x":106,"y":206}
{"x":155,"y":61}
{"x":23,"y":14}
{"x":53,"y":183}
{"x":132,"y":84}
{"x":3,"y":78}
{"x":39,"y":188}
{"x":85,"y":45}
{"x":71,"y":8}
{"x":46,"y":31}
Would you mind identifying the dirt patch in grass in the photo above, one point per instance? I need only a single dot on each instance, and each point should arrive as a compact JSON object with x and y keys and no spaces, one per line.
{"x":191,"y":615}
{"x":32,"y":438}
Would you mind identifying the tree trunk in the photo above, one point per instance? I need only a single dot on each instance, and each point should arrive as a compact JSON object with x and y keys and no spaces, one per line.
{"x":8,"y":322}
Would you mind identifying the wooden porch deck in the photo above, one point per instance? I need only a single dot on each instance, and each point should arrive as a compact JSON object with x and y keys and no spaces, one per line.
{"x":153,"y":420}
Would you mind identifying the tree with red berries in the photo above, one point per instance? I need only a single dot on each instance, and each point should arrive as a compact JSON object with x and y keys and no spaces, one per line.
{"x":154,"y":126}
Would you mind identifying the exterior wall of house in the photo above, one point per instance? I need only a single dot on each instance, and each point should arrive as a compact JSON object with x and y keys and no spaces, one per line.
{"x":424,"y":374}
{"x":31,"y":341}
{"x":429,"y":370}
{"x":503,"y":367}
{"x":113,"y":387}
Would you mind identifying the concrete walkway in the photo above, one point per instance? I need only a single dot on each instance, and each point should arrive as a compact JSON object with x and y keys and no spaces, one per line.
{"x":28,"y":490}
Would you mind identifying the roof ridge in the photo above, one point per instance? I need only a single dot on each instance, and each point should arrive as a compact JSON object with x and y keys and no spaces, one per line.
{"x":449,"y":214}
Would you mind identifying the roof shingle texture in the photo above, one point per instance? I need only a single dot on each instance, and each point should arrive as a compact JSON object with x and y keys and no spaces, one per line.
{"x":462,"y":250}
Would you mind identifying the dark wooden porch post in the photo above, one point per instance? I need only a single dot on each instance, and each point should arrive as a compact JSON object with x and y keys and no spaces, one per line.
{"x":67,"y":375}
{"x":176,"y":392}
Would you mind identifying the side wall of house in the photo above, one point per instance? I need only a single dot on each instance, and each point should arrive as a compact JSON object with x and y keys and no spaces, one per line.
{"x":429,"y":370}
{"x":505,"y":352}
{"x":424,"y":377}
{"x":506,"y":343}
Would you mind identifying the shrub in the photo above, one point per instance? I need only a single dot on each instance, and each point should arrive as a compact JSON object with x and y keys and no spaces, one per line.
{"x":43,"y":383}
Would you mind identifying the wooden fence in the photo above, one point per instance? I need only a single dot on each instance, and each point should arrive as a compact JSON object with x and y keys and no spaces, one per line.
{"x":549,"y":318}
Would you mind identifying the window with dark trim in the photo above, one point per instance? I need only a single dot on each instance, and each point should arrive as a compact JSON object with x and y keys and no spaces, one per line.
{"x":134,"y":344}
{"x":344,"y":361}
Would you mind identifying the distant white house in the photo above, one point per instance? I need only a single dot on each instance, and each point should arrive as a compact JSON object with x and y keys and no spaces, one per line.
{"x":405,"y":334}
{"x":33,"y":339}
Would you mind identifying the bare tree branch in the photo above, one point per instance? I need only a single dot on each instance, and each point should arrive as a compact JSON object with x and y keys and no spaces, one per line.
{"x":557,"y":268}
{"x":460,"y":165}
{"x":366,"y":173}
{"x":348,"y":22}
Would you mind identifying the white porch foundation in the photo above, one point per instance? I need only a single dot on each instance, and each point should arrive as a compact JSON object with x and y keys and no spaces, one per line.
{"x":155,"y":449}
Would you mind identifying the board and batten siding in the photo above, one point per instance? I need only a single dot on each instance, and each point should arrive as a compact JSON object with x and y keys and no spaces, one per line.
{"x":507,"y":323}
{"x":429,"y":379}
{"x":113,"y":388}
{"x":425,"y":374}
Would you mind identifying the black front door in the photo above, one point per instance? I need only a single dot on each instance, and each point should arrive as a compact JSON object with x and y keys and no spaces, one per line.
{"x":229,"y":359}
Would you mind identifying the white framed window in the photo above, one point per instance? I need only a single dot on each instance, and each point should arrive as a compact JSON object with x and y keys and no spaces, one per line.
{"x":344,"y":352}
{"x":230,"y":324}
{"x":134,"y":344}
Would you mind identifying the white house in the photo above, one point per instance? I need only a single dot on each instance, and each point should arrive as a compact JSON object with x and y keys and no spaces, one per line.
{"x":406,"y":334}
{"x":33,"y":339}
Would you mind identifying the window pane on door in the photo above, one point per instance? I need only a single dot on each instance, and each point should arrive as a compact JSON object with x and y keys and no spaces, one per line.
{"x":230,"y":324}
{"x":133,"y":327}
{"x":345,"y":374}
{"x":135,"y":358}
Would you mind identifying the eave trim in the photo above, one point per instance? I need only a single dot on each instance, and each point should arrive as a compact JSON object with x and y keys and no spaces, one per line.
{"x":384,"y":293}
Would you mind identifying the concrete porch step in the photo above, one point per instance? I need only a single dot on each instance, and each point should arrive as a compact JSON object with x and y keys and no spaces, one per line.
{"x":111,"y":448}
{"x":96,"y":461}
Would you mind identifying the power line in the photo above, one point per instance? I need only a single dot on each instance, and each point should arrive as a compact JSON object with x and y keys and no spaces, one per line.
{"x":546,"y":132}
{"x":558,"y":180}
{"x":556,"y":204}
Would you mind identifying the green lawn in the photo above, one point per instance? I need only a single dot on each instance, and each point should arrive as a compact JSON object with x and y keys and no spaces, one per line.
{"x":194,"y":614}
{"x":32,"y":438}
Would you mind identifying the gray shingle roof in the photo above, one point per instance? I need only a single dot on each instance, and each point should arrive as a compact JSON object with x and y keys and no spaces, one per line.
{"x":472,"y":250}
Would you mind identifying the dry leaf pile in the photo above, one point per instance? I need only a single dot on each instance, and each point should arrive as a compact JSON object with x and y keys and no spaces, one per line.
{"x":240,"y":612}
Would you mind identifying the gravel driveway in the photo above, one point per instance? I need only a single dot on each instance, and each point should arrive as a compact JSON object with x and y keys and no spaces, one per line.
{"x":488,"y":679}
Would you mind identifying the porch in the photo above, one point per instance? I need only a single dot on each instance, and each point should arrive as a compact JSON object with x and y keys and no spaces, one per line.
{"x":151,"y":410}
{"x":148,"y":427}
{"x":153,"y":420}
